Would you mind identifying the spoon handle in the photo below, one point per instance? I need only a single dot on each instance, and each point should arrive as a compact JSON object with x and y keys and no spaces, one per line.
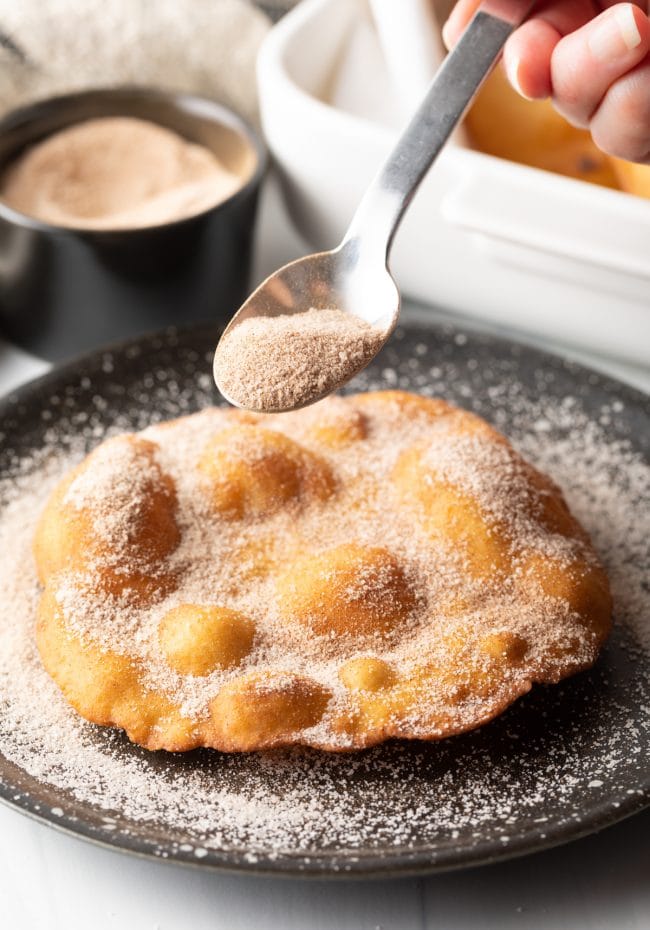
{"x":452,"y":90}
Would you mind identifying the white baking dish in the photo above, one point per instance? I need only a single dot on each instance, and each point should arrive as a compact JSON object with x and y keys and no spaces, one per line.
{"x":507,"y":243}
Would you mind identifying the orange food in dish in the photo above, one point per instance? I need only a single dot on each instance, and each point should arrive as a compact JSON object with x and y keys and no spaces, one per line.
{"x":531,"y":132}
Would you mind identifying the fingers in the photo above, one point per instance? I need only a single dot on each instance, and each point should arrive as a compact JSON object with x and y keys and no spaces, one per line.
{"x":458,"y":19}
{"x":621,"y":125}
{"x":596,"y":69}
{"x":586,"y":63}
{"x":567,"y":15}
{"x":527,"y":58}
{"x":563,"y":15}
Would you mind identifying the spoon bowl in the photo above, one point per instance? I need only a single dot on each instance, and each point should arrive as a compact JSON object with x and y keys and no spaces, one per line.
{"x":345,"y":279}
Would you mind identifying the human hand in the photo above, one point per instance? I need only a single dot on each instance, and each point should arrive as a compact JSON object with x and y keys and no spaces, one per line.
{"x":594,"y":65}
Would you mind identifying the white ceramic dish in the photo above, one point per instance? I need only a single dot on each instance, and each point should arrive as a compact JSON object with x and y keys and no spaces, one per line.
{"x":510,"y":244}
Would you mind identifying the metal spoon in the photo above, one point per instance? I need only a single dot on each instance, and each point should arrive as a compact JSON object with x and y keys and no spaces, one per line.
{"x":355,"y":277}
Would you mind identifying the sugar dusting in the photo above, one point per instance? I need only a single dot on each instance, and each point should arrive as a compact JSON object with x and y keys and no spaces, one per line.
{"x":277,"y":363}
{"x":215,"y":563}
{"x":494,"y":783}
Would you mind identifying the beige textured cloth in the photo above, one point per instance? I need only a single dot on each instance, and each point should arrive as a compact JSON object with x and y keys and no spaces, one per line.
{"x":207,"y":47}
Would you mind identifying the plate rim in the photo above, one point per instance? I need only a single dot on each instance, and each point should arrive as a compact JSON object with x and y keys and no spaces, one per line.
{"x":465,"y":329}
{"x":371,"y":867}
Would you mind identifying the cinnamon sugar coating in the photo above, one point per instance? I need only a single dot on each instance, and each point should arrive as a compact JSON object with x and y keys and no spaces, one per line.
{"x":382,"y":565}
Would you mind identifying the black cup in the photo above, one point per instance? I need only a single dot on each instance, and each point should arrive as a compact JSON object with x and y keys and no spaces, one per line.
{"x":65,"y":290}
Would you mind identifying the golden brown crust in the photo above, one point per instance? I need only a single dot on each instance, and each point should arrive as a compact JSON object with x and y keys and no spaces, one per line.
{"x":67,"y":538}
{"x":378,"y":566}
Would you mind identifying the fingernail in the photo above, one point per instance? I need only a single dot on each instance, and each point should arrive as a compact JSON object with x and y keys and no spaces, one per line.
{"x":512,"y":63}
{"x":445,"y":35}
{"x":615,"y":35}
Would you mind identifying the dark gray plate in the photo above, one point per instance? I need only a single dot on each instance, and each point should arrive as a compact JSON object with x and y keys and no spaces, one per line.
{"x":561,"y":763}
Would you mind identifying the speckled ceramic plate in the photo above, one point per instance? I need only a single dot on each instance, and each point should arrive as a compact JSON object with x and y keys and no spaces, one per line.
{"x":562,"y":762}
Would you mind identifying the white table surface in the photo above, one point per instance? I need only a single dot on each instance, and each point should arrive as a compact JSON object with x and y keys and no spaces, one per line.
{"x":50,"y":881}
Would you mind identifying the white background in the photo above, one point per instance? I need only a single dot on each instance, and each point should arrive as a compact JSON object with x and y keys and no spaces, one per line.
{"x":50,"y":881}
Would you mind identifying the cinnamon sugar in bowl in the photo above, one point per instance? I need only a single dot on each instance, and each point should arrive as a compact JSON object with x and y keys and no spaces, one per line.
{"x":122,"y":211}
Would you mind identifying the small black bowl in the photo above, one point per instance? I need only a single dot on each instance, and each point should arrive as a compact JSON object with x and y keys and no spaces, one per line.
{"x":64,"y":290}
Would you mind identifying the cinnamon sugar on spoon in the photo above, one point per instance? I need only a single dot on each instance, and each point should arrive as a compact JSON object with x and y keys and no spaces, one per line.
{"x":284,"y":362}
